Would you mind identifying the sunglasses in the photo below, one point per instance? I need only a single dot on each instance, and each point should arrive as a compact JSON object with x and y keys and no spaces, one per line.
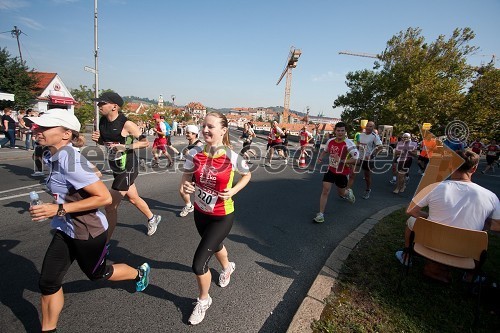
{"x":102,"y":103}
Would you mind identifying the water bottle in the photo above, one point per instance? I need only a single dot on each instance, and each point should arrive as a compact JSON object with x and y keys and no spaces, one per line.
{"x":35,"y":200}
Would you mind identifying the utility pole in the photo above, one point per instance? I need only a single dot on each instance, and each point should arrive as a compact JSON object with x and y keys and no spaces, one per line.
{"x":96,"y":72}
{"x":15,"y":33}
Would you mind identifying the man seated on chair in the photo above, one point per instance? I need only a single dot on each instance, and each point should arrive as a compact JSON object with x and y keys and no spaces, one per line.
{"x":457,"y":202}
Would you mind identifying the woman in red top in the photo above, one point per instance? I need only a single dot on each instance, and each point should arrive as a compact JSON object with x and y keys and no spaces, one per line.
{"x":209,"y":173}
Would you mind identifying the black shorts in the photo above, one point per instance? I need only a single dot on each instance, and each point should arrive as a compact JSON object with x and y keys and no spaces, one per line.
{"x":63,"y":250}
{"x":423,"y":159}
{"x":368,"y":165}
{"x":336,"y":178}
{"x":124,"y":180}
{"x":490,"y":159}
{"x":40,"y":151}
{"x":404,"y":166}
{"x":274,"y":144}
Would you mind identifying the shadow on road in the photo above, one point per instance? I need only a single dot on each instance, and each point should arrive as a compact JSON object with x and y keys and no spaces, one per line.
{"x":24,"y":273}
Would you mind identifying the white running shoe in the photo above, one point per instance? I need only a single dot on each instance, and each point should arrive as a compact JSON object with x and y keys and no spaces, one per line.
{"x":225,"y":275}
{"x":200,"y":308}
{"x":153,"y":224}
{"x":37,"y":174}
{"x":349,"y":196}
{"x":186,"y":210}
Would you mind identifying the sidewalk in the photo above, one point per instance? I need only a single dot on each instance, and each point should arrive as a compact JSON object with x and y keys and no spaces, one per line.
{"x":313,"y":304}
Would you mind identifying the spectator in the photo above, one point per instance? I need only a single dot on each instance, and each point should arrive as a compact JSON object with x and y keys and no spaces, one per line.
{"x":457,"y":202}
{"x":9,"y":127}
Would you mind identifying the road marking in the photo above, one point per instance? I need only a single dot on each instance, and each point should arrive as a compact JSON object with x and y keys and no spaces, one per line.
{"x":20,"y":188}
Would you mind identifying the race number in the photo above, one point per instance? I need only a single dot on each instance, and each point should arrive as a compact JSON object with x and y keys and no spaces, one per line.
{"x":333,"y":162}
{"x":205,"y":200}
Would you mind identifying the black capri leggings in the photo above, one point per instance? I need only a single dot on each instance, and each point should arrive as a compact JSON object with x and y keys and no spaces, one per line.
{"x":213,"y":230}
{"x":63,"y":250}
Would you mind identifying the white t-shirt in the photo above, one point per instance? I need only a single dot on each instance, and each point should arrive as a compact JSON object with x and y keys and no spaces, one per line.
{"x":459,"y":204}
{"x":367,"y":143}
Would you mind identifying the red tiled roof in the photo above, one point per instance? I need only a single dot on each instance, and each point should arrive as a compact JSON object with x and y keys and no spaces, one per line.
{"x":43,"y":80}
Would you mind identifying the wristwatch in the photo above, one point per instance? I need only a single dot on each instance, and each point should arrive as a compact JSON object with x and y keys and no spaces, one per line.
{"x":61,"y":211}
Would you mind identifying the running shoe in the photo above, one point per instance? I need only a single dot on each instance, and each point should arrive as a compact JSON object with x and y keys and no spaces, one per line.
{"x":225,"y":275}
{"x":267,"y":164}
{"x":153,"y":224}
{"x":37,"y":174}
{"x":392,"y":181}
{"x":349,"y":196}
{"x":320,"y":218}
{"x":200,"y":308}
{"x":143,"y":282}
{"x":186,"y":210}
{"x":367,"y":194}
{"x":400,"y":257}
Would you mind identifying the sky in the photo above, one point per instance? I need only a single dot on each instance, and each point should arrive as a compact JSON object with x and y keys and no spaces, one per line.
{"x":230,"y":53}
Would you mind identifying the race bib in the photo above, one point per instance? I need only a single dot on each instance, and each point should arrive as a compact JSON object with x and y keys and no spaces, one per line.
{"x":333,"y":162}
{"x":205,"y":199}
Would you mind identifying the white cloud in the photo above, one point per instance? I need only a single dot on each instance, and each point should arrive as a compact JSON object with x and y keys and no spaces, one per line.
{"x":328,"y":76}
{"x":12,"y":4}
{"x":31,"y":23}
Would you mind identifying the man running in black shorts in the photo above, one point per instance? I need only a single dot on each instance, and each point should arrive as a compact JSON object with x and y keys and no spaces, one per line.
{"x":117,"y":134}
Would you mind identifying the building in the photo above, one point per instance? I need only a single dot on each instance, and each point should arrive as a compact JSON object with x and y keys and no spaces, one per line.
{"x":51,"y":92}
{"x":196,"y":110}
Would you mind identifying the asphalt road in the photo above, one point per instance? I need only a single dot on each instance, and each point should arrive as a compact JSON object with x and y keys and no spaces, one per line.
{"x":277,"y":249}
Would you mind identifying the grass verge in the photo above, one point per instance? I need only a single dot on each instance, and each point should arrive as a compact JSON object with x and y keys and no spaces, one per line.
{"x":365,"y":298}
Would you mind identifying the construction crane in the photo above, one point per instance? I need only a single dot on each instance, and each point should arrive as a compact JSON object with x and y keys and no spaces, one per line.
{"x":291,"y":63}
{"x":360,"y":54}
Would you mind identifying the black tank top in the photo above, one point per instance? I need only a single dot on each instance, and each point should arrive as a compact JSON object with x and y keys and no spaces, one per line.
{"x":111,"y":132}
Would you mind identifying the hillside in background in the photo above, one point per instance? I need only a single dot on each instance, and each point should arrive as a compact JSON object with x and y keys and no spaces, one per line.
{"x":136,"y":99}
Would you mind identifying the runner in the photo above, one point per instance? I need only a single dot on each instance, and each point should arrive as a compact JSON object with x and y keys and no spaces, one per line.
{"x":304,"y":138}
{"x":247,"y":135}
{"x":477,"y":146}
{"x":338,"y":168}
{"x":213,"y":167}
{"x":275,"y":136}
{"x":117,"y":133}
{"x":369,"y":144}
{"x":80,"y":228}
{"x":492,"y":151}
{"x":428,"y":146}
{"x":405,"y":150}
{"x":192,"y":132}
{"x":160,"y":142}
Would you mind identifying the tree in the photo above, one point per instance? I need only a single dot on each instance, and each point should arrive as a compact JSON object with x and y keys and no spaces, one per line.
{"x":480,"y":112}
{"x":413,"y":82}
{"x":15,"y":79}
{"x":84,"y":108}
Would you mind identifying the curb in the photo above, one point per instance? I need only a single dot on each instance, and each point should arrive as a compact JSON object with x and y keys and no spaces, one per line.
{"x":313,"y":304}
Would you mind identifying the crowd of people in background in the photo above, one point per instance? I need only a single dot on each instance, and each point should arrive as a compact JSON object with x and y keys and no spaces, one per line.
{"x":205,"y":192}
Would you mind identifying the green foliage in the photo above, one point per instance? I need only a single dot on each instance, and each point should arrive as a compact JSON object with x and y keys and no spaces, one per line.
{"x":15,"y":79}
{"x":366,"y":299}
{"x":415,"y":82}
{"x":84,"y":108}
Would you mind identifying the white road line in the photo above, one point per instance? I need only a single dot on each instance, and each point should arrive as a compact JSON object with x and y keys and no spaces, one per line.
{"x":20,"y":188}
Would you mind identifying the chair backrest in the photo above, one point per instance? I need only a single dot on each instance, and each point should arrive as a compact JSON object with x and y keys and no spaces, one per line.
{"x":450,"y":240}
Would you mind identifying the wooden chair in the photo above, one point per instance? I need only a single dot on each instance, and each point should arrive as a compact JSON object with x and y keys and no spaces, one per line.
{"x":451,"y":246}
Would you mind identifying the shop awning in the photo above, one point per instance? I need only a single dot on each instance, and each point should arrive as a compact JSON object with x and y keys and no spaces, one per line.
{"x":61,"y":100}
{"x":6,"y":96}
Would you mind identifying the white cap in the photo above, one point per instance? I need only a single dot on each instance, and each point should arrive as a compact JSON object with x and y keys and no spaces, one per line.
{"x":192,"y":128}
{"x":407,"y":135}
{"x":57,"y":117}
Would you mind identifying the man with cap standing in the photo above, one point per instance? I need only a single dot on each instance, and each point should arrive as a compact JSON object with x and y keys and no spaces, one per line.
{"x":117,"y":134}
